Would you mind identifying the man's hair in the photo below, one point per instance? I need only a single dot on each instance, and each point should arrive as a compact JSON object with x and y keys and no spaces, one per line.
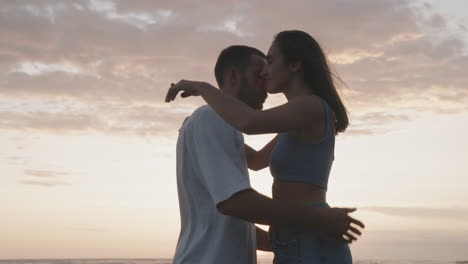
{"x":236,"y":56}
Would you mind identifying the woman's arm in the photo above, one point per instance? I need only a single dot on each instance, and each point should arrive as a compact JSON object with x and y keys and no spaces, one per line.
{"x":257,"y":160}
{"x":300,"y":112}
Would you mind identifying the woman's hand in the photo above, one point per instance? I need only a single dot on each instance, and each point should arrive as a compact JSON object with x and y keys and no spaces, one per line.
{"x":188,"y":88}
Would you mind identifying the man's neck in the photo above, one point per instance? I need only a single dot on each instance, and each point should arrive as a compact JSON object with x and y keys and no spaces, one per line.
{"x":230,"y":91}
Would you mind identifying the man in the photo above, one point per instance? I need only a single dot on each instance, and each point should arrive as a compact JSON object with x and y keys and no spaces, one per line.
{"x":217,"y":204}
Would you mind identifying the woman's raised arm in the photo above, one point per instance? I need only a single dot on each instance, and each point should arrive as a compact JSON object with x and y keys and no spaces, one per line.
{"x":300,"y":112}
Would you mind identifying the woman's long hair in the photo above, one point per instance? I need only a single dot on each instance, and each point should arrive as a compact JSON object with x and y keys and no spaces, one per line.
{"x":298,"y":46}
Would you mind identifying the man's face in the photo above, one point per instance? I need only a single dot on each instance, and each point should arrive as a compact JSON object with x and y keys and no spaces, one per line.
{"x":252,"y":88}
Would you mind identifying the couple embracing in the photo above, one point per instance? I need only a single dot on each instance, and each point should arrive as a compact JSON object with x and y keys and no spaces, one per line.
{"x":218,"y":206}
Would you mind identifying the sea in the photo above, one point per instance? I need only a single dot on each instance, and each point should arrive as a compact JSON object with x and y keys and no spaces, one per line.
{"x":168,"y":261}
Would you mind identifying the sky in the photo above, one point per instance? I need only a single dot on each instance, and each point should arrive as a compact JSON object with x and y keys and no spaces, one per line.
{"x":87,"y":156}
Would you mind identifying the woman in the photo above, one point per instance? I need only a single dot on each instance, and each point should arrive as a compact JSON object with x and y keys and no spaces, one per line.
{"x":301,"y":156}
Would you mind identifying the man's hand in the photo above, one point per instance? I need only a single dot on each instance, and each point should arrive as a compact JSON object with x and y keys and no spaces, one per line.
{"x":336,"y":223}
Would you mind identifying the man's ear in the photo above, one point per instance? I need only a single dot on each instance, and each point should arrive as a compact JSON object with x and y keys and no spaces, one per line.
{"x":232,"y":76}
{"x":295,"y":66}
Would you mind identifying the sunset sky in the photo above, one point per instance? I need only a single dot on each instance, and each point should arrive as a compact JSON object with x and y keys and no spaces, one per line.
{"x":87,"y":145}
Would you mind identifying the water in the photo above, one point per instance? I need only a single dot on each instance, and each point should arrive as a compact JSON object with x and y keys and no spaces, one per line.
{"x":168,"y":261}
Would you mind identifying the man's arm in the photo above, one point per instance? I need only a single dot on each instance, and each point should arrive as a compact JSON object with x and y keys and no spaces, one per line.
{"x":263,"y":240}
{"x":254,"y":207}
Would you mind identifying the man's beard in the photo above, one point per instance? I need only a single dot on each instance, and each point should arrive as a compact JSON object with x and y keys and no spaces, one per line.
{"x":245,"y":95}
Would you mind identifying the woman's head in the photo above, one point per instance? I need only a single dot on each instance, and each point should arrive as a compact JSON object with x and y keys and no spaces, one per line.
{"x":295,"y":54}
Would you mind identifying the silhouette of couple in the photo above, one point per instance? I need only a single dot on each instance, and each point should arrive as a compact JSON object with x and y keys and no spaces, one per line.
{"x":218,"y":206}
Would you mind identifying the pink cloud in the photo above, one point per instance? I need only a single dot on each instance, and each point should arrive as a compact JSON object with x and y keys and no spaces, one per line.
{"x":394,"y":54}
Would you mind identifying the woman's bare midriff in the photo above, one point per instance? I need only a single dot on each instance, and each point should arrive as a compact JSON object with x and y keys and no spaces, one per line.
{"x":298,"y":191}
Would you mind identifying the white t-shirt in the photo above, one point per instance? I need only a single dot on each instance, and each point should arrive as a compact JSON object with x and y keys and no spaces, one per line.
{"x":211,"y":167}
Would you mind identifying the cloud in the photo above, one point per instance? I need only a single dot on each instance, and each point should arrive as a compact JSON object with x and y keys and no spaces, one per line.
{"x":392,"y":55}
{"x":45,"y":174}
{"x":414,"y":232}
{"x":45,"y":121}
{"x":17,"y":159}
{"x":44,"y":183}
{"x":458,"y":213}
{"x":372,"y":123}
{"x":138,"y":19}
{"x":109,"y":118}
{"x":435,"y":244}
{"x":45,"y":178}
{"x":92,"y":229}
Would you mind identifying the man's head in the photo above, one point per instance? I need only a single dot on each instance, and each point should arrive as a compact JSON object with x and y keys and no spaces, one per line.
{"x":238,"y":73}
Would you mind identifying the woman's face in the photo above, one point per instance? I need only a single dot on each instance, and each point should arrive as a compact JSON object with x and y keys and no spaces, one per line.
{"x":276,"y":72}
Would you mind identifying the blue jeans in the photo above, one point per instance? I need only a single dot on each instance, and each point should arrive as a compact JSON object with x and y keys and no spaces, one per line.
{"x":294,"y":245}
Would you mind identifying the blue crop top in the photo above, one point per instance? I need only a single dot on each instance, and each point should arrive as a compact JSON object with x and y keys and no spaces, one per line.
{"x":296,"y":161}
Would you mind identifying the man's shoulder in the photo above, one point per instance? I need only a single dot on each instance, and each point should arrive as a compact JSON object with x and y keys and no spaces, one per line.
{"x":205,"y":119}
{"x":204,"y":110}
{"x":206,"y":114}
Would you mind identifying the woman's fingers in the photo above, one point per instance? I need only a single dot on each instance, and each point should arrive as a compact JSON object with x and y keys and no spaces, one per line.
{"x":174,"y":90}
{"x":188,"y":88}
{"x":172,"y":93}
